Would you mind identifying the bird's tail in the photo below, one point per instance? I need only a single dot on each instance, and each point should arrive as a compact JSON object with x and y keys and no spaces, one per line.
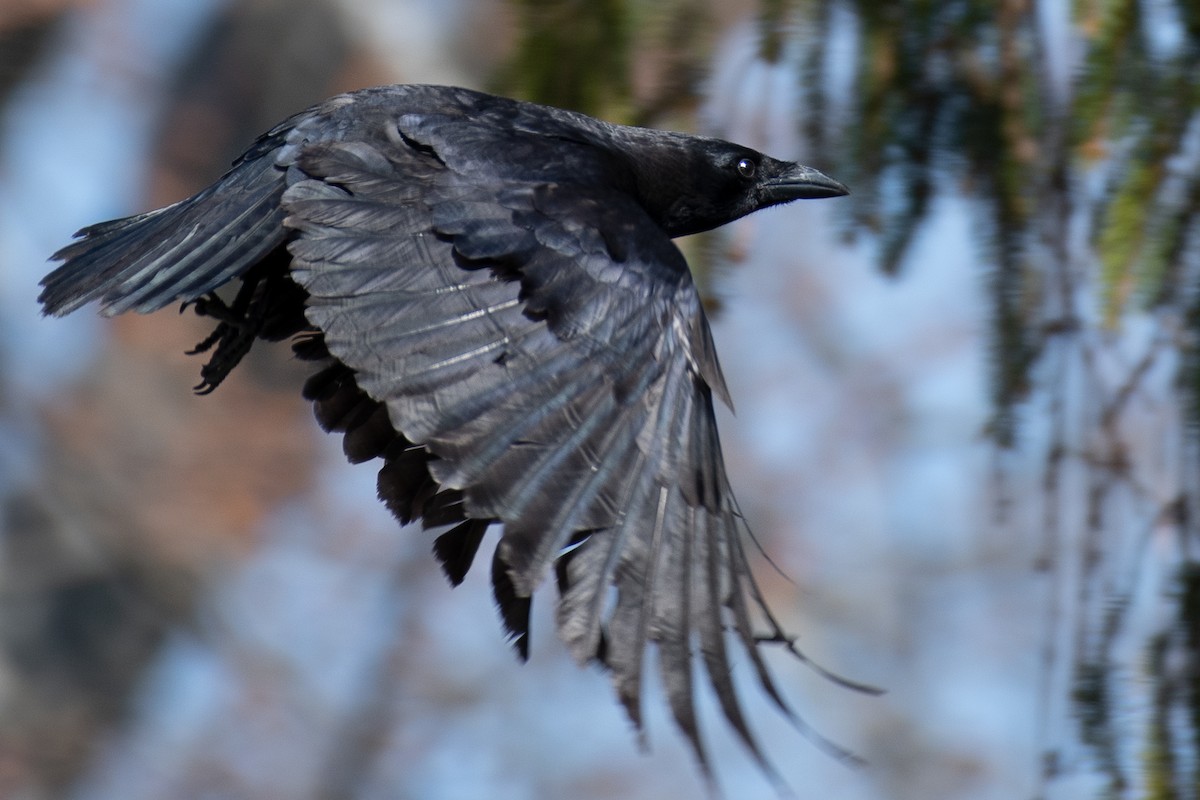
{"x":180,"y":252}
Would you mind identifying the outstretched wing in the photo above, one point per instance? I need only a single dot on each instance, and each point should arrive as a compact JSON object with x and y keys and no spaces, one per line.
{"x":545,"y":344}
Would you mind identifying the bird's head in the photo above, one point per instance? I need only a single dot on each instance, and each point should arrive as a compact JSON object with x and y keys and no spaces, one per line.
{"x":694,"y":184}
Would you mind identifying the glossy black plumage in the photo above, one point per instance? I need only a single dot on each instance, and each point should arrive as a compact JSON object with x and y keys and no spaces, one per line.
{"x":496,"y":310}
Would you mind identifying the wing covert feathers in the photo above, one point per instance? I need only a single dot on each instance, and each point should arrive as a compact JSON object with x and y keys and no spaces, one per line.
{"x":557,"y":388}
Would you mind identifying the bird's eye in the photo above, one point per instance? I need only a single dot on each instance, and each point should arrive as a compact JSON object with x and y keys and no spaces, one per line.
{"x":746,"y":168}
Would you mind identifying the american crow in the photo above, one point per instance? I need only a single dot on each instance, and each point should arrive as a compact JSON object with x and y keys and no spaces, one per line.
{"x":497,"y":311}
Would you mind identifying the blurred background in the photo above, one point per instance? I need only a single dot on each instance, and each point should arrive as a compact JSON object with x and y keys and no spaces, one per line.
{"x":967,"y":396}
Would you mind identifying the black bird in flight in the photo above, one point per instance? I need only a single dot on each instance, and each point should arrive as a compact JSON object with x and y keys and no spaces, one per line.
{"x":494,"y":307}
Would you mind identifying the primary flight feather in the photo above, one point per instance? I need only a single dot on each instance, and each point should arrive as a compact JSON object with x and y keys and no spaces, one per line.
{"x":495,"y":309}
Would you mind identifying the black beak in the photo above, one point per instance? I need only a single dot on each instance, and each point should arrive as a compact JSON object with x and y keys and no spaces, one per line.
{"x":797,"y":182}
